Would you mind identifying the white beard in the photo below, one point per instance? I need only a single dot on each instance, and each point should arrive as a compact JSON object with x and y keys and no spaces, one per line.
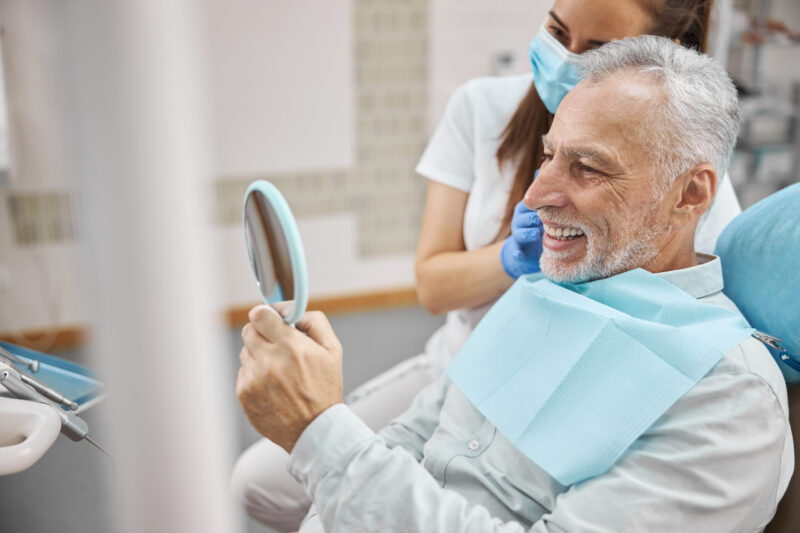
{"x":604,"y":259}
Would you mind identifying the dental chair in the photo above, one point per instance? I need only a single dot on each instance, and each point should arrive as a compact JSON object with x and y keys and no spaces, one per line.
{"x":760,"y":253}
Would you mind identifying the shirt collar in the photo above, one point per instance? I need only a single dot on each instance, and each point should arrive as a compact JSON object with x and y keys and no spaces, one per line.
{"x":699,"y":281}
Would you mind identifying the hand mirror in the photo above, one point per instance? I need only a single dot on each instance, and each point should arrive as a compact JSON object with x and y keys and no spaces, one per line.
{"x":275,"y":250}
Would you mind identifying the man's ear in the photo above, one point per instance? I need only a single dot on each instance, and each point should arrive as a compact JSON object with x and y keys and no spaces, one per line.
{"x":694,"y":195}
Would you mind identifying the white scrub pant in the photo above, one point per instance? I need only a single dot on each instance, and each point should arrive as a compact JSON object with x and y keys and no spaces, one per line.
{"x":260,"y":478}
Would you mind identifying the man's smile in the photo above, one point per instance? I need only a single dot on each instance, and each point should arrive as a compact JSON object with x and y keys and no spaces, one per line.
{"x":563,"y":233}
{"x":558,"y":237}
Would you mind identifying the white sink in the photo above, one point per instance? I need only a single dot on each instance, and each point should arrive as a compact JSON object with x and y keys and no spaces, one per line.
{"x":27,"y":430}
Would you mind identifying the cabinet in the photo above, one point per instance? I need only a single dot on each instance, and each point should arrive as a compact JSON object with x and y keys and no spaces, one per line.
{"x":763,"y":57}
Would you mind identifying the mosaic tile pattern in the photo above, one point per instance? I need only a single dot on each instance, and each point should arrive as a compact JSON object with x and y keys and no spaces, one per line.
{"x":391,"y":91}
{"x":308,"y":194}
{"x":42,"y":217}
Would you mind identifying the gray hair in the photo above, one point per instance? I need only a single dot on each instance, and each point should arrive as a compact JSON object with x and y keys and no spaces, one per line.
{"x":697,"y":122}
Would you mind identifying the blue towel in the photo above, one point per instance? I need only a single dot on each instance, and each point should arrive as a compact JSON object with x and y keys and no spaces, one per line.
{"x":572,"y":375}
{"x":74,"y":381}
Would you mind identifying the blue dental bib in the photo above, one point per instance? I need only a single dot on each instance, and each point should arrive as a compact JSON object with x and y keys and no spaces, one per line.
{"x":572,"y":375}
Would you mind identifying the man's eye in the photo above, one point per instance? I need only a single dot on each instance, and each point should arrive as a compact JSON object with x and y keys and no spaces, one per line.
{"x":589,"y":170}
{"x":547,"y":157}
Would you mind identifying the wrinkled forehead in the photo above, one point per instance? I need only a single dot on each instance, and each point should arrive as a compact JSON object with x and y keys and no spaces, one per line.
{"x":614,"y":112}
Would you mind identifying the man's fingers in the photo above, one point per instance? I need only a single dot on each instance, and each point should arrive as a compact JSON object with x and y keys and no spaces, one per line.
{"x":252,"y":338}
{"x":245,"y":356}
{"x":315,"y":324}
{"x":267,"y":322}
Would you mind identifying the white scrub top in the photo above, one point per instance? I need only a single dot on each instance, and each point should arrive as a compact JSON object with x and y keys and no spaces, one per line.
{"x":463,"y":154}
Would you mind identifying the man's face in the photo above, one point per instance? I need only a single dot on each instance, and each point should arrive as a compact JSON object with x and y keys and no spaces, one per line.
{"x":596,"y":192}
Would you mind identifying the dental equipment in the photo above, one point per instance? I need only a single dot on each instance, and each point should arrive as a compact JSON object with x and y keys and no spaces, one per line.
{"x":761,"y":273}
{"x":47,"y":392}
{"x":32,"y":365}
{"x":72,"y":426}
{"x":41,"y":388}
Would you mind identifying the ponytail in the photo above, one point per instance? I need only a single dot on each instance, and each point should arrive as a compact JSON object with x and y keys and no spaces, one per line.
{"x":685,"y":20}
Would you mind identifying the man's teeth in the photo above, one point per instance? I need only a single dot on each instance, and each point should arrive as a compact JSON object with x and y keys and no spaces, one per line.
{"x":562,"y":233}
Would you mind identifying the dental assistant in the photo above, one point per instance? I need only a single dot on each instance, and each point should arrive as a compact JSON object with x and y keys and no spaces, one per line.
{"x":479,"y":162}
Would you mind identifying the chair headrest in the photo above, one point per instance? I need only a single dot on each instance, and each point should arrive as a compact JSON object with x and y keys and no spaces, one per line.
{"x":760,"y":255}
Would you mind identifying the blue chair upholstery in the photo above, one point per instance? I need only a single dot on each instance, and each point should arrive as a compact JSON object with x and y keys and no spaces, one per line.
{"x":760,"y":253}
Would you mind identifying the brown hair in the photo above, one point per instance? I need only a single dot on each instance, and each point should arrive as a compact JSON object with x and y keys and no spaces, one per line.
{"x":521,"y":140}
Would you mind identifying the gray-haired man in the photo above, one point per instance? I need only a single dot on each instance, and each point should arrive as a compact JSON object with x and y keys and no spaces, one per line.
{"x":632,"y":162}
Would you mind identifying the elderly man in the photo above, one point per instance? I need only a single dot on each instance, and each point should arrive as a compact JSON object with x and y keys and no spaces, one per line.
{"x":565,"y":411}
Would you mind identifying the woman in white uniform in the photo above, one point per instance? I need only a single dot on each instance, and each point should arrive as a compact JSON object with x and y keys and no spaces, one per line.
{"x":480,"y":161}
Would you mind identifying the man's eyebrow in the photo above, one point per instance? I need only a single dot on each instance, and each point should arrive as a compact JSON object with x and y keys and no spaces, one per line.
{"x":587,"y":152}
{"x":606,"y":160}
{"x":559,"y":21}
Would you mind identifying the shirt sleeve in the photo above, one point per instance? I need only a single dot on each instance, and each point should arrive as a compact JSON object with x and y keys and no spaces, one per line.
{"x":450,"y":155}
{"x":360,"y":485}
{"x":710,"y":464}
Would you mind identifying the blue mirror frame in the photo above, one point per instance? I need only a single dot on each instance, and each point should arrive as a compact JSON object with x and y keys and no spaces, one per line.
{"x":294,"y":245}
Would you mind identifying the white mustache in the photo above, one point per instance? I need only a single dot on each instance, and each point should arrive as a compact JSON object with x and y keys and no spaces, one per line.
{"x":555,"y":217}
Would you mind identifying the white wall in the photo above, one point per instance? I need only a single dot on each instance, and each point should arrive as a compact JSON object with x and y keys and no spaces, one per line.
{"x":282,"y":84}
{"x":36,"y":65}
{"x":467,"y":35}
{"x":37,"y":282}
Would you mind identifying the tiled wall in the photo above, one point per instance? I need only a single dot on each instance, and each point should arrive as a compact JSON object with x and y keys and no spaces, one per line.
{"x":42,"y":217}
{"x":390,"y":43}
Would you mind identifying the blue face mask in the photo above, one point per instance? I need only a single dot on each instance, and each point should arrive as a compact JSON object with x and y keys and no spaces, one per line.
{"x":555,"y":69}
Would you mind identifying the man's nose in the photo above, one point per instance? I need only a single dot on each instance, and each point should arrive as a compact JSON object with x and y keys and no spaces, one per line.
{"x":547,"y":189}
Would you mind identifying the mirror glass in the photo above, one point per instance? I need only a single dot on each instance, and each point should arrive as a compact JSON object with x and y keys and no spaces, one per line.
{"x":274,"y":248}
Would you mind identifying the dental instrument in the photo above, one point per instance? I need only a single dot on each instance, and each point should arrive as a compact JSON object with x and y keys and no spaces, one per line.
{"x":40,"y":387}
{"x":72,"y":426}
{"x":47,"y":392}
{"x":32,"y":365}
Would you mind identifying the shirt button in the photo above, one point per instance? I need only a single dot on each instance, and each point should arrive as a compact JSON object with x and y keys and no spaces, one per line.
{"x":473,"y":445}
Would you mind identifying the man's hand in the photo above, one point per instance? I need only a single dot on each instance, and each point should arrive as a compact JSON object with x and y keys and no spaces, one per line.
{"x":288,"y":376}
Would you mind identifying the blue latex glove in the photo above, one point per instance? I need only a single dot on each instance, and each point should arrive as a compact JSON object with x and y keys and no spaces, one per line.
{"x":522,"y":250}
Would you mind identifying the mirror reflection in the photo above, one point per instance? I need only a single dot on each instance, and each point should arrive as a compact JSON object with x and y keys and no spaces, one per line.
{"x":274,"y":249}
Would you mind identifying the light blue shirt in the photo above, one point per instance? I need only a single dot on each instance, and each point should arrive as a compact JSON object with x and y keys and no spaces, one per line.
{"x":717,"y":461}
